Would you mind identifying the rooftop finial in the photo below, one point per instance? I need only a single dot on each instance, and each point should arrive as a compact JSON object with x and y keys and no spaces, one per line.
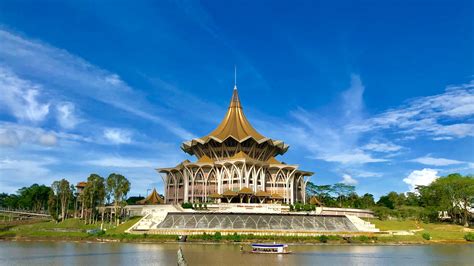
{"x":235,"y":77}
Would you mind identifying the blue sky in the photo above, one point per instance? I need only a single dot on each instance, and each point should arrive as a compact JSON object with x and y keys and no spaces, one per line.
{"x":379,"y":94}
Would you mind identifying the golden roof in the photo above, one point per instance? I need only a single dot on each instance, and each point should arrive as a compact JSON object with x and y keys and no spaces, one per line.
{"x":229,"y":193}
{"x":215,"y":196}
{"x":245,"y":190}
{"x":152,"y":199}
{"x":81,"y":184}
{"x":272,"y":160}
{"x":276,"y":196}
{"x":234,"y":125}
{"x":262,"y":193}
{"x":205,"y":159}
{"x":240,"y":155}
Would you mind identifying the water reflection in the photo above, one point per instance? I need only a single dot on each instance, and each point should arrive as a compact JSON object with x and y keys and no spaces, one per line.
{"x":53,"y":253}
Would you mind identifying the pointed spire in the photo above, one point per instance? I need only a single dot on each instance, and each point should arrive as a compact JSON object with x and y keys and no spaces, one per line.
{"x":235,"y":77}
{"x":235,"y":101}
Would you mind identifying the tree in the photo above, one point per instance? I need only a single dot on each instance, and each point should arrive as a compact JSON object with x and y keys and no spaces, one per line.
{"x":342,"y":191}
{"x":52,"y":205}
{"x":63,"y":193}
{"x":322,"y":192}
{"x":412,"y":199}
{"x":117,"y":187}
{"x":453,"y":193}
{"x":34,"y":197}
{"x":392,"y":200}
{"x":3,"y":200}
{"x":366,"y":201}
{"x":93,"y":195}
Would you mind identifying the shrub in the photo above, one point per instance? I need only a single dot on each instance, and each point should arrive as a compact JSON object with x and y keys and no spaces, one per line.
{"x":297,"y":207}
{"x":200,"y":206}
{"x":323,"y":239}
{"x":206,"y":236}
{"x":382,"y":212}
{"x":217,"y":236}
{"x":205,"y":206}
{"x":469,"y":237}
{"x":187,"y":205}
{"x":426,"y":236}
{"x":292,"y":208}
{"x":235,"y":237}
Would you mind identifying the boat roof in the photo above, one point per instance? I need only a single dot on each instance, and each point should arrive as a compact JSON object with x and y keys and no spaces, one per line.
{"x":269,"y":245}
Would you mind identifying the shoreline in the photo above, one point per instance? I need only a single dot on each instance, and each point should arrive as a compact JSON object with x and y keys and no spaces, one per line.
{"x":227,"y":242}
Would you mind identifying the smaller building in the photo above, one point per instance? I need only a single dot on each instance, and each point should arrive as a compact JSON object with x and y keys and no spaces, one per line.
{"x":80,"y":187}
{"x":152,"y":199}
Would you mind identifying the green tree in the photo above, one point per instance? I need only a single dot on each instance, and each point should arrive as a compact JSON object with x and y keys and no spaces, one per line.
{"x":117,"y":187}
{"x":365,"y":202}
{"x":453,"y":193}
{"x":34,"y":197}
{"x":53,"y":205}
{"x":63,"y":192}
{"x":342,"y":191}
{"x":392,"y":200}
{"x":93,"y":195}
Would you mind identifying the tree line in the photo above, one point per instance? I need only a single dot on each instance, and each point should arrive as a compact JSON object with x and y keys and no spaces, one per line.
{"x":62,"y":200}
{"x":448,"y":198}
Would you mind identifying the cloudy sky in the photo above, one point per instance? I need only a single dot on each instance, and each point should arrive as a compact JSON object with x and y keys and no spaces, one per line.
{"x":376,"y":95}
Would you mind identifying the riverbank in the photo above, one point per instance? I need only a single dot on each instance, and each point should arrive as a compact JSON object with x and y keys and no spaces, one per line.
{"x":76,"y":230}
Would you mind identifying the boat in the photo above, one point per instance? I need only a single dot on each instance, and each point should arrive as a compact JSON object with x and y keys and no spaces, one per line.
{"x":270,"y":248}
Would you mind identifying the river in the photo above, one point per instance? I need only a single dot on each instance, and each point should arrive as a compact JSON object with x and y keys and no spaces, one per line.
{"x":67,"y":253}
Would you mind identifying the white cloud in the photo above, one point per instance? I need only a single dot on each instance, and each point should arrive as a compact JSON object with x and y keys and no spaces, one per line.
{"x":421,"y":178}
{"x":351,"y":157}
{"x":118,"y":136}
{"x":66,"y":72}
{"x":48,"y":140}
{"x":367,"y":174}
{"x":12,"y":134}
{"x":348,"y":180}
{"x":325,"y":136}
{"x":437,"y":116}
{"x":16,"y":173}
{"x":66,"y":115}
{"x":382,"y":147}
{"x":120,"y":162}
{"x":427,"y":160}
{"x":9,"y":138}
{"x":20,"y":97}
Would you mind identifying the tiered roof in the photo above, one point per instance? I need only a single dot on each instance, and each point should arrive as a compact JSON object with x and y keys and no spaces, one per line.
{"x":236,"y":126}
{"x":152,"y":199}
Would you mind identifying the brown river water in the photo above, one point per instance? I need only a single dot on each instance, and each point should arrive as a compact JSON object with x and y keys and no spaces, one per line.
{"x":67,"y":253}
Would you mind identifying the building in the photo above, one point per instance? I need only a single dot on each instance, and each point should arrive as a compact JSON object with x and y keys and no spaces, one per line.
{"x":234,"y":163}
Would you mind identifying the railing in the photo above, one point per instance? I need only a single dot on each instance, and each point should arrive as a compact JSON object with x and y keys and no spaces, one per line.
{"x":24,"y":212}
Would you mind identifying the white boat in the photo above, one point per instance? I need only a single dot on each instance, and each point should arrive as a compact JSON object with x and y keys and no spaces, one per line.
{"x":270,"y":248}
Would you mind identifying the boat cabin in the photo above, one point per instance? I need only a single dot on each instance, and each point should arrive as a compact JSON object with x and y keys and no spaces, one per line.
{"x":270,"y":248}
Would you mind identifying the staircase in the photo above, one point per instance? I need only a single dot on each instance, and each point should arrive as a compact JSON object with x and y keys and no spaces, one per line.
{"x":153,"y":216}
{"x":362,"y":225}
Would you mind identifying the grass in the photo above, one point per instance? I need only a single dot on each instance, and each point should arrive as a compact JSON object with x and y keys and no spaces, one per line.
{"x":124,"y":226}
{"x":75,"y":229}
{"x":437,"y":231}
{"x":70,"y":228}
{"x":395,"y":224}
